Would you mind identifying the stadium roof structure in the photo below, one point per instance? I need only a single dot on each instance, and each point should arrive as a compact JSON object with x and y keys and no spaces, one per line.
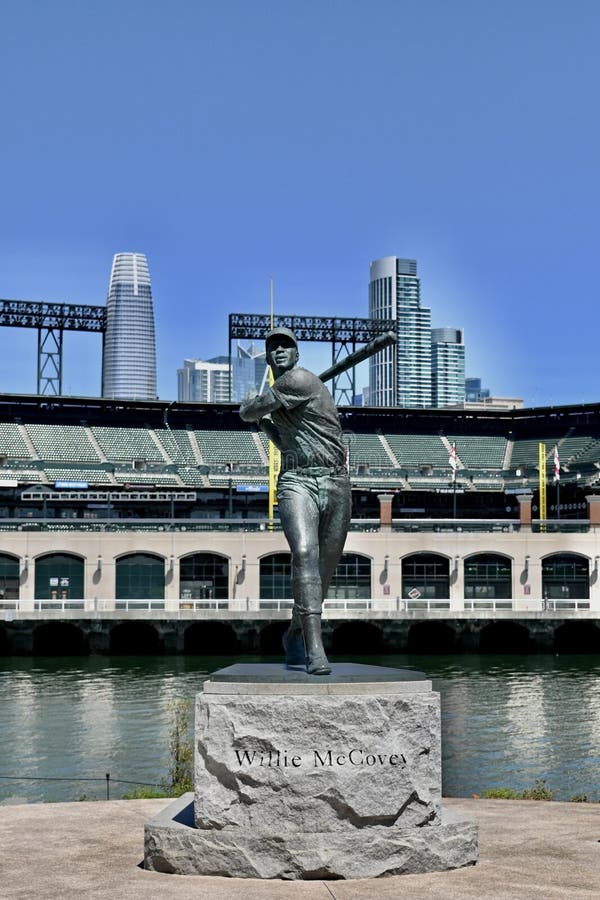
{"x":35,"y":407}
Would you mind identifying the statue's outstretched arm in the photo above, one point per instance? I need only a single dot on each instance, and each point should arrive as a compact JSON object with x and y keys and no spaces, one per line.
{"x":254,"y":408}
{"x":257,"y":409}
{"x":271,"y":430}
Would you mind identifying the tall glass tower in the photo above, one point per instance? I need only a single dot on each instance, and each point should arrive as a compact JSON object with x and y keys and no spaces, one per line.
{"x":400,"y":375}
{"x":129,"y":357}
{"x":447,"y":366}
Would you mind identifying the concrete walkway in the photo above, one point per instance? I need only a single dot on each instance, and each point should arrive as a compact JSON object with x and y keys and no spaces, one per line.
{"x":93,"y":850}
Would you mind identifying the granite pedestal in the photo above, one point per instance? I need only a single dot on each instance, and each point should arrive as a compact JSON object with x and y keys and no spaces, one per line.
{"x":301,"y":776}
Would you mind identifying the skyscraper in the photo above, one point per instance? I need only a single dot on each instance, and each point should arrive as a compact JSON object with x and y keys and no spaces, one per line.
{"x":204,"y":381}
{"x":474,"y":392}
{"x":129,"y":358}
{"x":447,"y":366}
{"x":208,"y":381}
{"x":400,"y":375}
{"x":249,"y":371}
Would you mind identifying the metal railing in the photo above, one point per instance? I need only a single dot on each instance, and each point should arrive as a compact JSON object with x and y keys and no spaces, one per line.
{"x":565,"y":604}
{"x":444,"y":526}
{"x":425,"y":604}
{"x":58,"y":604}
{"x":401,"y":526}
{"x":104,"y":779}
{"x":561,"y":526}
{"x":398,"y":605}
{"x":488,"y":604}
{"x":136,"y":525}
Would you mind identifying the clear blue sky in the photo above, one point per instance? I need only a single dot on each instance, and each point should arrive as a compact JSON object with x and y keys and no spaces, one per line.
{"x":234,"y":139}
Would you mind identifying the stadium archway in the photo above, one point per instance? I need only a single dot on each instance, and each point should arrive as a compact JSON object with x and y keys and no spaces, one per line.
{"x":426,"y":576}
{"x":59,"y":576}
{"x":488,"y":576}
{"x":431,"y":637}
{"x":59,"y":639}
{"x":358,"y":638}
{"x":577,"y":637}
{"x":352,"y":578}
{"x":9,"y":577}
{"x":135,"y":639}
{"x":270,"y":638}
{"x":504,"y":637}
{"x":276,"y":576}
{"x":140,"y":576}
{"x":210,"y":639}
{"x":565,"y":576}
{"x":204,"y":576}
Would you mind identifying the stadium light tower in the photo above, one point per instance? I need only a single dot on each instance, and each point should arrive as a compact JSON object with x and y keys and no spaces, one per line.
{"x":51,"y":320}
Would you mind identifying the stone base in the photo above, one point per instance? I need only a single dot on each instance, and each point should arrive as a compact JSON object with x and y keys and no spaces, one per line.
{"x":173,"y":844}
{"x":313,"y":777}
{"x":278,"y":755}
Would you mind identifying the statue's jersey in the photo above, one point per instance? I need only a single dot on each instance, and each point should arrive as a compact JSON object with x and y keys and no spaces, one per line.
{"x":309,"y":428}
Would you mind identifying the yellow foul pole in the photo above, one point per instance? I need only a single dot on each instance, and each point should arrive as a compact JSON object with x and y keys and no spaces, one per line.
{"x":274,"y":454}
{"x":542,"y":472}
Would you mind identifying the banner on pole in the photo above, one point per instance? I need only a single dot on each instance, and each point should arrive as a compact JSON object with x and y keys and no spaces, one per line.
{"x":452,"y":461}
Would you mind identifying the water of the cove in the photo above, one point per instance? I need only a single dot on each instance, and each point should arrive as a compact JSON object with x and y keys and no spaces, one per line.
{"x":506,"y":721}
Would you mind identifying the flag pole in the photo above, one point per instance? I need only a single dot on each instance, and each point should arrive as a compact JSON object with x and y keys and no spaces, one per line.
{"x":542,"y":475}
{"x":454,"y":497}
{"x":557,"y":479}
{"x":452,"y":462}
{"x":274,"y":455}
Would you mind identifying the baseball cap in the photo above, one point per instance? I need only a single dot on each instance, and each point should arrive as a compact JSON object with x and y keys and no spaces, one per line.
{"x":281,"y":332}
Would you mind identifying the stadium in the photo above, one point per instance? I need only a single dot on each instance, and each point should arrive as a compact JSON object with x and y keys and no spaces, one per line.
{"x":143,"y":527}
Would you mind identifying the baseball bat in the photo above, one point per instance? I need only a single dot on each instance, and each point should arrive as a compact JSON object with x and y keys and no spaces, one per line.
{"x":353,"y":359}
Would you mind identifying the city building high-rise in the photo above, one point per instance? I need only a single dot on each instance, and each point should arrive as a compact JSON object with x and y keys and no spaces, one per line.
{"x":478,"y":397}
{"x":426,"y":367}
{"x":401,"y":374}
{"x":207,"y":381}
{"x":447,"y":366}
{"x":249,"y":371}
{"x":129,"y":356}
{"x":204,"y":381}
{"x":474,"y":392}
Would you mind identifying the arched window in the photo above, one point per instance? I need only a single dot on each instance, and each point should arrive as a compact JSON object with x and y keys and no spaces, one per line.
{"x":204,"y":576}
{"x":276,"y":576}
{"x":425,"y":576}
{"x":352,"y":578}
{"x":488,"y":576}
{"x":59,"y":576}
{"x":9,"y":577}
{"x":566,"y":576}
{"x":59,"y":639}
{"x":140,"y":576}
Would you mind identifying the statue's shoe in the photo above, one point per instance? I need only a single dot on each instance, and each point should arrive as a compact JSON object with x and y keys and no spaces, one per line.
{"x":316,"y":660}
{"x":318,"y":667}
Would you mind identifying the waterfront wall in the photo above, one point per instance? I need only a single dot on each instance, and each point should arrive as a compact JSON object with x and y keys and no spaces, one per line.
{"x":65,"y":633}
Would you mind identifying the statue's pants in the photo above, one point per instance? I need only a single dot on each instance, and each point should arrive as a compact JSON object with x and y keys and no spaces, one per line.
{"x":315,"y":514}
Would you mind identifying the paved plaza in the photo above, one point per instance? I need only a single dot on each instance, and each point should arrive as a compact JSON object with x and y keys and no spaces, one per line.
{"x":94,"y":850}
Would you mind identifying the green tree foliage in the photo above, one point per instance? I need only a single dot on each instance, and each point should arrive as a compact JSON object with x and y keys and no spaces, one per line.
{"x":181,"y":748}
